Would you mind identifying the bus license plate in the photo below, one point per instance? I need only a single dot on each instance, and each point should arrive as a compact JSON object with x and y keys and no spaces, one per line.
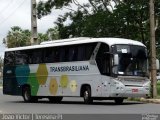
{"x":134,"y":90}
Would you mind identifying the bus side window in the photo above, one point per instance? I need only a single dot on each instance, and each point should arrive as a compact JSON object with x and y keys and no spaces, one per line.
{"x":103,"y":59}
{"x":56,"y":54}
{"x":81,"y":53}
{"x":49,"y":55}
{"x":73,"y":53}
{"x":89,"y":50}
{"x":85,"y":51}
{"x":36,"y":56}
{"x":62,"y":54}
{"x":66,"y":54}
{"x":21,"y":57}
{"x":9,"y":58}
{"x":29,"y":53}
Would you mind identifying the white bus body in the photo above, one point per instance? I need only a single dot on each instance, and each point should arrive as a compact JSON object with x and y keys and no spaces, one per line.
{"x":93,"y":78}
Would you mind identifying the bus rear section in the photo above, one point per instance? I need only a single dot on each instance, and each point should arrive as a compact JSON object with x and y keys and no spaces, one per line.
{"x":10,"y":84}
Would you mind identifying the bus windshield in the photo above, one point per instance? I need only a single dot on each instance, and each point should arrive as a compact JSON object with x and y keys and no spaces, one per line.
{"x":132,"y":60}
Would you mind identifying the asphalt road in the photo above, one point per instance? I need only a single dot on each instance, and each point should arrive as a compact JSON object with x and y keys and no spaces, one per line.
{"x":13,"y":104}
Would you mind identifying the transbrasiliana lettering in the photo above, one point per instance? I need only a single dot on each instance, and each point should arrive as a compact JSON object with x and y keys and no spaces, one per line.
{"x":69,"y":68}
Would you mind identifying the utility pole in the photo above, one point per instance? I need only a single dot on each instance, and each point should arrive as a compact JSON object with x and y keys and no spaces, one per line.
{"x":34,"y":39}
{"x":153,"y":51}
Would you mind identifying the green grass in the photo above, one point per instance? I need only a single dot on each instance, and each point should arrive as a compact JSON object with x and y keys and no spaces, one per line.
{"x":158,"y":88}
{"x":133,"y":99}
{"x":0,"y":81}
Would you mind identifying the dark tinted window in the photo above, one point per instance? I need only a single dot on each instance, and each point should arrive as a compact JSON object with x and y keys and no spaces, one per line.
{"x":66,"y":57}
{"x":73,"y":51}
{"x":67,"y":53}
{"x":35,"y":56}
{"x":103,"y":59}
{"x":62,"y":54}
{"x":9,"y":58}
{"x":21,"y":57}
{"x":89,"y":50}
{"x":56,"y":54}
{"x":49,"y":54}
{"x":138,"y":51}
{"x":52,"y":54}
{"x":81,"y":53}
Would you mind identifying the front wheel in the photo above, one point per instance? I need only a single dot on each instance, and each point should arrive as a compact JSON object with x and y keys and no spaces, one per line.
{"x":87,"y":95}
{"x":26,"y":93}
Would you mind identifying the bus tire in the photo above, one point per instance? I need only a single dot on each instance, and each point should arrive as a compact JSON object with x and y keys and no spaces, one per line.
{"x":87,"y":95}
{"x":55,"y":99}
{"x":118,"y":101}
{"x":26,"y":93}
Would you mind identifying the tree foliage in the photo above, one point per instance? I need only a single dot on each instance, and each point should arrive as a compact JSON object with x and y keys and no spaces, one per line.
{"x":104,"y":18}
{"x":17,"y":37}
{"x":1,"y":63}
{"x":53,"y":33}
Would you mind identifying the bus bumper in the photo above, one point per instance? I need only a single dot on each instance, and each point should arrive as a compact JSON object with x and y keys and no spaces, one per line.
{"x":131,"y":92}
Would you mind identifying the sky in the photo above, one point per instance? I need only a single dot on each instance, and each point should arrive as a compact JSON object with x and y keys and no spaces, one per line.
{"x":18,"y":13}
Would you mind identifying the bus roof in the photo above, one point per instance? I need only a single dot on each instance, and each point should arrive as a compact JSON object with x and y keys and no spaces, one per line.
{"x":80,"y":40}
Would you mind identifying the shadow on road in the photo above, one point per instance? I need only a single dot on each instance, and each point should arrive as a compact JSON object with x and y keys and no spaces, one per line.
{"x":108,"y":103}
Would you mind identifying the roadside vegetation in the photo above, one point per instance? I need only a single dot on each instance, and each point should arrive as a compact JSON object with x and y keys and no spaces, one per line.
{"x":0,"y":83}
{"x":158,"y":89}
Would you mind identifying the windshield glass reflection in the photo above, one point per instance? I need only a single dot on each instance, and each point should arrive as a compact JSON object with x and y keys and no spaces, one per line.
{"x":132,"y":60}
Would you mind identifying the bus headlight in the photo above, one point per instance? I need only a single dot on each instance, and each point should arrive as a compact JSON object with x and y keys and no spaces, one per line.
{"x":147,"y":84}
{"x":120,"y":88}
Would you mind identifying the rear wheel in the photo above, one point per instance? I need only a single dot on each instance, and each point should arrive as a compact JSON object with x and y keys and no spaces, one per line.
{"x":87,"y":95}
{"x":55,"y":99}
{"x":27,"y":95}
{"x":118,"y":101}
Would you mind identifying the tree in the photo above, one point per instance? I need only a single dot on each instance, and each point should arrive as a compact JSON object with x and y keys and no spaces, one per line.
{"x":42,"y":37}
{"x":105,"y":18}
{"x":53,"y":33}
{"x":1,"y":63}
{"x":17,"y":37}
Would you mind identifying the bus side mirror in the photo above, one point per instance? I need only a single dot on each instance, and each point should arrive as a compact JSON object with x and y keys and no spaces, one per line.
{"x":116,"y":59}
{"x":157,"y":64}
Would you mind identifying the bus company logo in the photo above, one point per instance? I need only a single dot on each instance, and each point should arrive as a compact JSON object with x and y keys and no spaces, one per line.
{"x":150,"y":117}
{"x":69,"y":68}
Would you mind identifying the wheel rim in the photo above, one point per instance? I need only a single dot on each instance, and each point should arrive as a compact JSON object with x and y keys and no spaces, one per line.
{"x":86,"y":95}
{"x":26,"y":95}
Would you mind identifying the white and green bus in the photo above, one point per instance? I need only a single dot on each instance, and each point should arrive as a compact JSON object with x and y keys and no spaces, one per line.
{"x":92,"y":68}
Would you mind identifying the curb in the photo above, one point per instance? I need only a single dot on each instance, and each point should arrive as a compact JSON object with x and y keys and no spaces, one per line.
{"x":156,"y":101}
